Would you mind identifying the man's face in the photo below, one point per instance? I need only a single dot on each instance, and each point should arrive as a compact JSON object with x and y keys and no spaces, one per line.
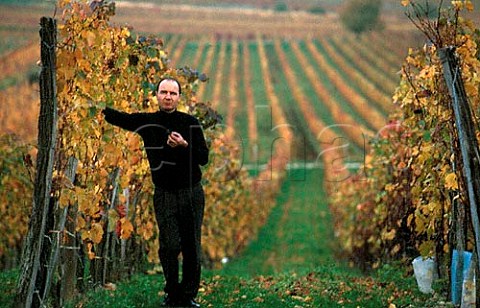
{"x":168,"y":95}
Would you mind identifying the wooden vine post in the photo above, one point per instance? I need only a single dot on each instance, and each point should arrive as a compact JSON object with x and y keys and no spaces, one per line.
{"x":30,"y":285}
{"x":467,"y":138}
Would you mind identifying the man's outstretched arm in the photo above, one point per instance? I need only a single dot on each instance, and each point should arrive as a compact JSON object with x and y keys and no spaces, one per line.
{"x":128,"y":121}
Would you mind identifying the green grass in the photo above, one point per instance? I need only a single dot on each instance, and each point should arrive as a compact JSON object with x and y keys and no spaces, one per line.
{"x":8,"y":283}
{"x":210,"y":71}
{"x":188,"y":53}
{"x":203,"y":57}
{"x":241,"y":114}
{"x":223,"y":105}
{"x":324,"y":286}
{"x":263,"y":112}
{"x":298,"y":236}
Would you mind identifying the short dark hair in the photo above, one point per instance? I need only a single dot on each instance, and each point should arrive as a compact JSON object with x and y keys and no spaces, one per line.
{"x":171,"y":79}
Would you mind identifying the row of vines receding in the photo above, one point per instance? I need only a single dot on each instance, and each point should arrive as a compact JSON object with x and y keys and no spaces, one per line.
{"x":401,"y":205}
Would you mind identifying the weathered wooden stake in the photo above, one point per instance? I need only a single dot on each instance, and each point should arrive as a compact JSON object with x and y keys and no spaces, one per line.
{"x":467,"y":138}
{"x":69,"y":253}
{"x":27,"y":293}
{"x":57,"y":234}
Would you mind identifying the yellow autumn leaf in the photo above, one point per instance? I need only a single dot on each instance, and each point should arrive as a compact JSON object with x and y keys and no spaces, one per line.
{"x":64,"y":198}
{"x":125,"y":32}
{"x":426,"y":248}
{"x":409,"y":220}
{"x":122,"y":198}
{"x":182,"y":108}
{"x":405,"y":2}
{"x":457,"y":4}
{"x":96,"y":233}
{"x":390,"y":187}
{"x":82,"y":200}
{"x":110,"y":147}
{"x":127,"y":228}
{"x":469,"y":5}
{"x":103,"y":172}
{"x":395,"y":249}
{"x":112,"y":219}
{"x":133,"y":142}
{"x":91,"y":254}
{"x":124,"y":181}
{"x":90,"y":37}
{"x":470,"y":87}
{"x":390,"y":235}
{"x":451,"y":181}
{"x":67,"y":73}
{"x":80,"y":224}
{"x":64,"y":3}
{"x":446,"y":248}
{"x":147,"y":230}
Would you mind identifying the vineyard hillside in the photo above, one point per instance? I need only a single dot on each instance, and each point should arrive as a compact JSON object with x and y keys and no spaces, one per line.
{"x":345,"y":77}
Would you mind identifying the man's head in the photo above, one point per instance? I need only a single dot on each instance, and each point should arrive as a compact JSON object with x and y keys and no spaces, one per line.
{"x":168,"y":94}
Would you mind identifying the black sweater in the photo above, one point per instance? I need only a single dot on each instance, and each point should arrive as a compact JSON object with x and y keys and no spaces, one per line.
{"x":172,"y":168}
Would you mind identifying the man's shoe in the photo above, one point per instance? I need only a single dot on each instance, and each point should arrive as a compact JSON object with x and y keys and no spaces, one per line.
{"x":169,"y":301}
{"x":189,"y":303}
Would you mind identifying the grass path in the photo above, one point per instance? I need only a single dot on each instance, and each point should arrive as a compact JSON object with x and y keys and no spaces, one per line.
{"x":298,"y":235}
{"x":291,"y":264}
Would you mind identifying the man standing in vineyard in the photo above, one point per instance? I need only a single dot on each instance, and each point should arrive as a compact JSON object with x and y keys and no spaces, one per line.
{"x":175,"y":147}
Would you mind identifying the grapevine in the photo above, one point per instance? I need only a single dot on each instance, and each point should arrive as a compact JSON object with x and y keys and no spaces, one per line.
{"x":16,"y":179}
{"x":404,"y":205}
{"x":118,"y":70}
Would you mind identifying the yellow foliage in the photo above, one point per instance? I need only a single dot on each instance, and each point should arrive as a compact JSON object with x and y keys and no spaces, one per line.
{"x":451,"y":181}
{"x":96,"y":233}
{"x":411,"y":170}
{"x":126,"y":228}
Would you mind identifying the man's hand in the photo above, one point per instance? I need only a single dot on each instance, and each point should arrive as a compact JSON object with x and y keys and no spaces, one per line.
{"x":175,"y":139}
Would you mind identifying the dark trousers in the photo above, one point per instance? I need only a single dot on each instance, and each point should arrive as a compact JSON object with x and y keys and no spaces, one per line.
{"x":179,"y":216}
